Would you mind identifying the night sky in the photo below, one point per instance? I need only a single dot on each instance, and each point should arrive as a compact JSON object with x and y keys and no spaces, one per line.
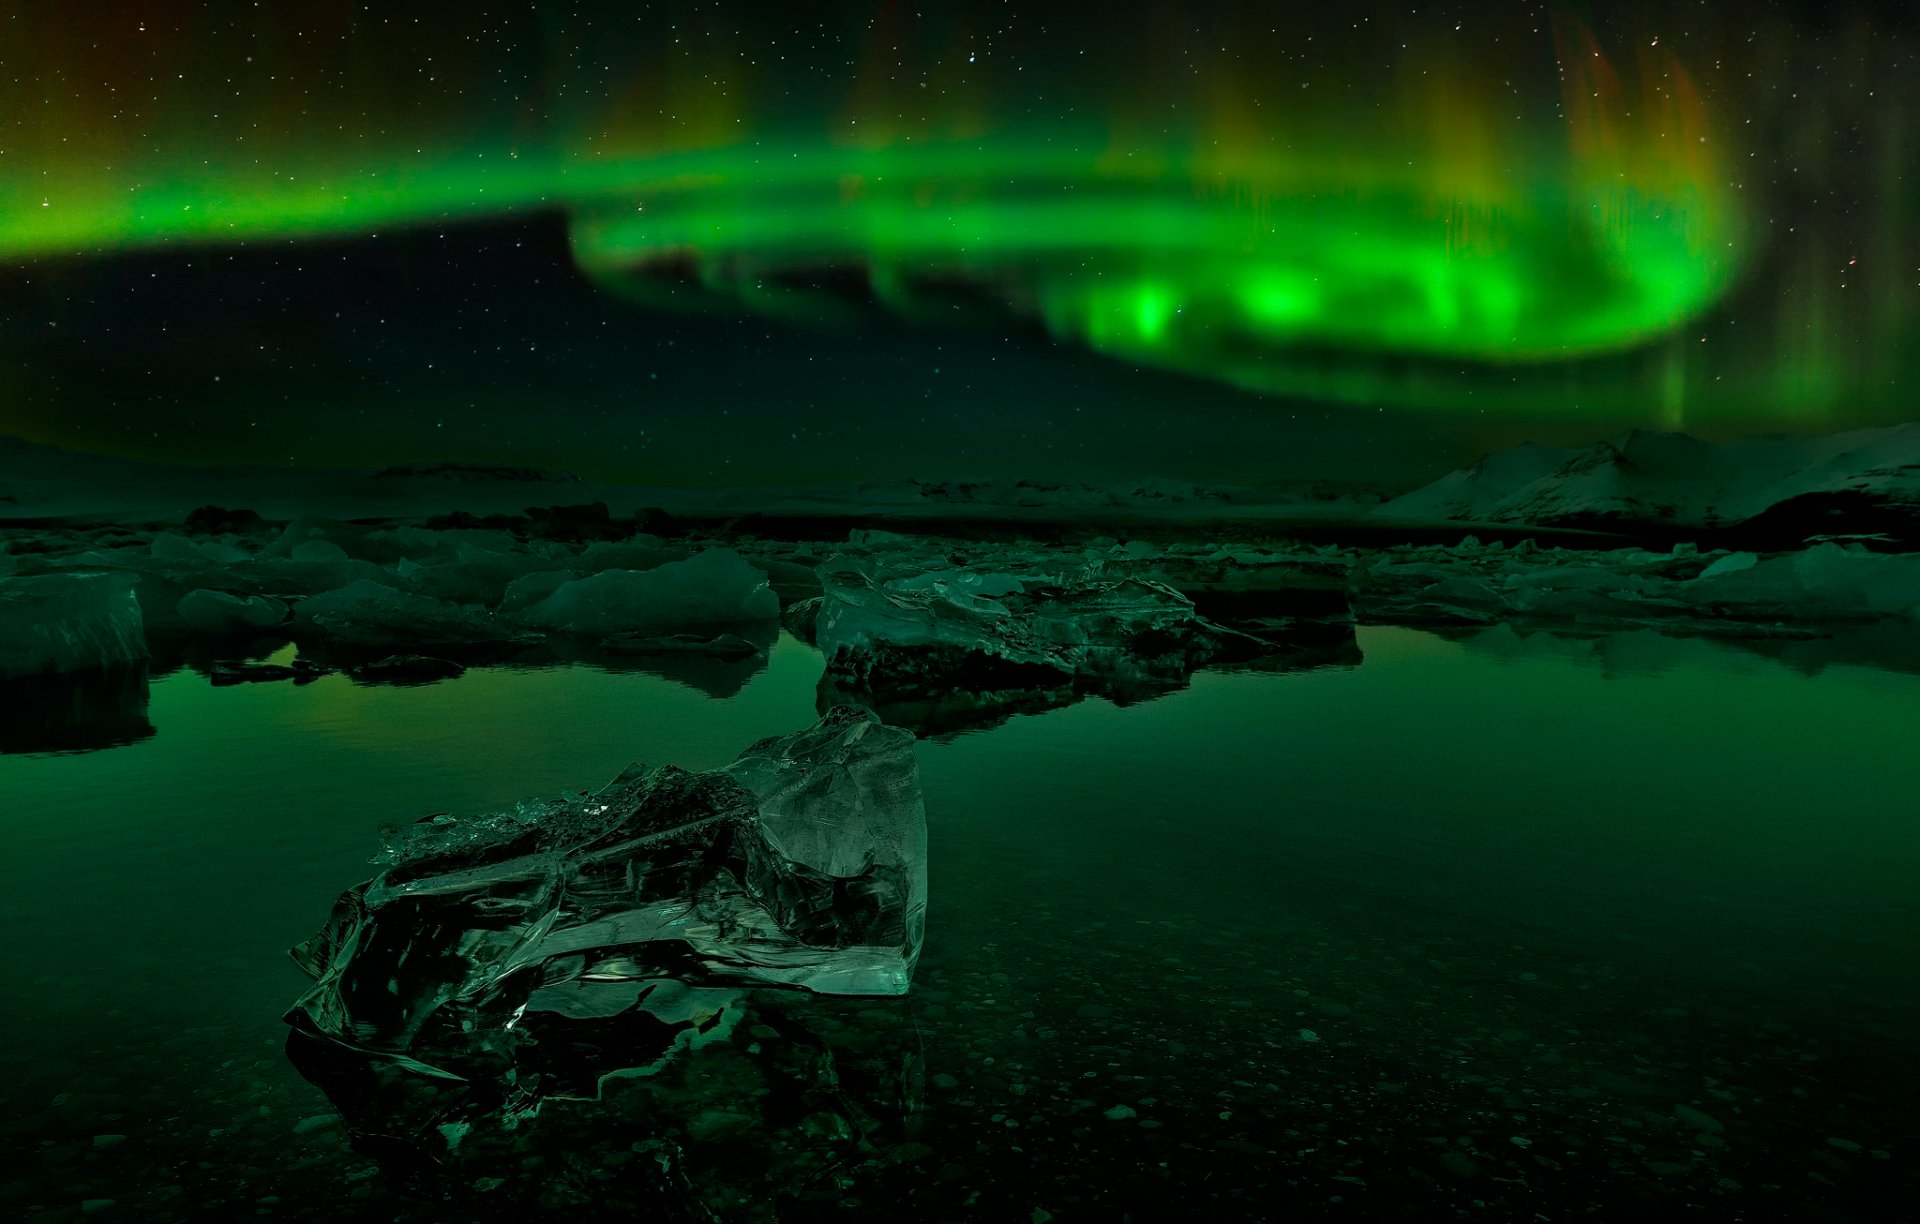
{"x":678,"y":243}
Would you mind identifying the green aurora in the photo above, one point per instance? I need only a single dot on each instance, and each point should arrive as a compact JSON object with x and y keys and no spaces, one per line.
{"x":1491,"y":228}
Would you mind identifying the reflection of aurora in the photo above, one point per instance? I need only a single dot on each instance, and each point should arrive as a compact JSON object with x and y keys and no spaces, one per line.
{"x":1424,"y":237}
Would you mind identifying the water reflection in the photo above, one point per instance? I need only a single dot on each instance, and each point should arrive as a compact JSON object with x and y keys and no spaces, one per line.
{"x":105,"y":710}
{"x":1886,"y":645}
{"x":941,"y":706}
{"x":719,"y":666}
{"x":1533,"y":895}
{"x":74,"y":711}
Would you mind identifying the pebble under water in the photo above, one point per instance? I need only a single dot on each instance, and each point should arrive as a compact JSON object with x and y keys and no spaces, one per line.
{"x":1493,"y":926}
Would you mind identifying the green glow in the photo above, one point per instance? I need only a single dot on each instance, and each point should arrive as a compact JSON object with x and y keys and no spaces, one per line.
{"x":1160,"y":273}
{"x":1261,"y":242}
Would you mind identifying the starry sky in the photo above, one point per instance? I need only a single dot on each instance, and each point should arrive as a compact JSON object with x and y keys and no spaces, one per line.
{"x":685,"y":243}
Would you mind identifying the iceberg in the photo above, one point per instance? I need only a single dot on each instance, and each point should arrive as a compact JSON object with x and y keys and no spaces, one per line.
{"x":1826,"y":581}
{"x":179,"y":551}
{"x":69,"y":622}
{"x":470,"y":574}
{"x":365,"y":613}
{"x":934,"y":652}
{"x":1081,"y":625}
{"x":1722,"y":592}
{"x":220,"y":614}
{"x":529,"y":589}
{"x":73,"y":652}
{"x":713,"y":589}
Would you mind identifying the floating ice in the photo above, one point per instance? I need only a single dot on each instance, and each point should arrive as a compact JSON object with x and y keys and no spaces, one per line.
{"x":220,"y":613}
{"x":529,"y":589}
{"x":802,"y":865}
{"x":366,"y":613}
{"x":1738,"y":591}
{"x":577,"y":977}
{"x":1825,"y":581}
{"x":933,"y":652}
{"x":179,"y":551}
{"x":712,"y":590}
{"x":470,"y":574}
{"x":70,"y":622}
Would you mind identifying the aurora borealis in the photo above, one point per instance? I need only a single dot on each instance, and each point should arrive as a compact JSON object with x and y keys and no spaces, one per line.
{"x":1607,"y":215}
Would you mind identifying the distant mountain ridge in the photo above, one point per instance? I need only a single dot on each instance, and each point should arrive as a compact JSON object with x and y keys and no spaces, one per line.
{"x":449,"y":469}
{"x":1864,"y":481}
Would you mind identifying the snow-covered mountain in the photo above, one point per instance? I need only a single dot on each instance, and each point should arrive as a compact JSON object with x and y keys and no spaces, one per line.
{"x":1865,"y":480}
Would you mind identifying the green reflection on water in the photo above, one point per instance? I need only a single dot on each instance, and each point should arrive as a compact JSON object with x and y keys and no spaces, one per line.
{"x":1524,"y":836}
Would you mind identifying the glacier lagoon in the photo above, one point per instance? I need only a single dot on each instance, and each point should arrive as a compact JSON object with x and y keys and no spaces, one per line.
{"x":1487,"y":924}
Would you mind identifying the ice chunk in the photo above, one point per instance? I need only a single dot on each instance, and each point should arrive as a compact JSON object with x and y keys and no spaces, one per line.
{"x":348,"y":537}
{"x":317,"y":552}
{"x":1732,"y":563}
{"x":986,"y":586}
{"x":176,"y":551}
{"x":69,"y":622}
{"x":220,"y":613}
{"x":420,"y":541}
{"x":714,"y":589}
{"x":504,"y":964}
{"x":529,"y":589}
{"x":841,"y":802}
{"x":365,"y":613}
{"x":642,"y":552}
{"x":467,"y":573}
{"x":1825,"y":581}
{"x":800,"y":618}
{"x":1083,"y":625}
{"x":801,"y":865}
{"x":933,"y":654}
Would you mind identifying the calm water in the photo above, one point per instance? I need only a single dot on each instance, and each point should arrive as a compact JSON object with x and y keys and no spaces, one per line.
{"x":1493,"y":926}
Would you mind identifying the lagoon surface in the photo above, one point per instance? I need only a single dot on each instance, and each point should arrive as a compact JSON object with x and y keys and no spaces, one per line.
{"x":1488,"y":925}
